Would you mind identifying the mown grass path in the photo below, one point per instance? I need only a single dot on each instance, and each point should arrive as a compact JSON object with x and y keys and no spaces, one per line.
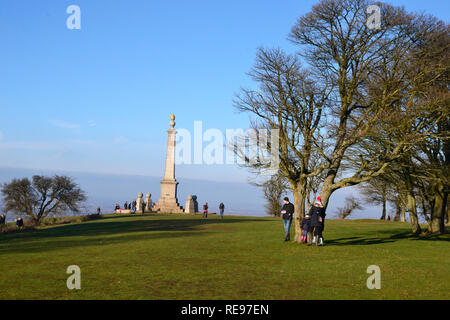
{"x":187,"y":257}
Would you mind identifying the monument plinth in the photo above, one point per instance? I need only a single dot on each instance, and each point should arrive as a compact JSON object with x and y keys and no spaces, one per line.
{"x":168,"y":201}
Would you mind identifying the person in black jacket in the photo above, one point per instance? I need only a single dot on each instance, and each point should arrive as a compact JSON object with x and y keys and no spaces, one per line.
{"x":306,"y":228}
{"x":287,"y":213}
{"x":317,"y":213}
{"x":19,"y":223}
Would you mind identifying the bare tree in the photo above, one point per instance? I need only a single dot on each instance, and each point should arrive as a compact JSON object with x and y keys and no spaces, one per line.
{"x":273,"y":188}
{"x":351,"y":205}
{"x":379,"y":80}
{"x":421,"y":114}
{"x":376,"y":191}
{"x":361,"y":103}
{"x":290,"y":100}
{"x":42,"y":197}
{"x":365,"y":66}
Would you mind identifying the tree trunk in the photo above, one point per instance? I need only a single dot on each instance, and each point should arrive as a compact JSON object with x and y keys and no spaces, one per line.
{"x":397,"y":211}
{"x":425,"y":214}
{"x":300,"y":199}
{"x":383,"y":215}
{"x":403,"y":214}
{"x":438,"y":211}
{"x":413,"y":214}
{"x":325,"y":195}
{"x":446,"y":210}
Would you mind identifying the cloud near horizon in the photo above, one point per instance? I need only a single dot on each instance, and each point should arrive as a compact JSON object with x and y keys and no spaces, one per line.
{"x":63,"y":124}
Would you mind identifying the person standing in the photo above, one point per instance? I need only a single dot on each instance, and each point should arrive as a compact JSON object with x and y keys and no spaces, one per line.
{"x":19,"y":223}
{"x":125,"y":206}
{"x":205,"y":210}
{"x":221,"y":209}
{"x":306,"y":229}
{"x":317,"y":213}
{"x":287,"y":213}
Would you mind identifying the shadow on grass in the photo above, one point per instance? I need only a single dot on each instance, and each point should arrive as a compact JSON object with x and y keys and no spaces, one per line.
{"x":356,"y":241}
{"x":67,"y":236}
{"x":371,"y":240}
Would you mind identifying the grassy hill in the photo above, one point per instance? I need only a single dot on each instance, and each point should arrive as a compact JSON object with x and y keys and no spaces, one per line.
{"x":185,"y":257}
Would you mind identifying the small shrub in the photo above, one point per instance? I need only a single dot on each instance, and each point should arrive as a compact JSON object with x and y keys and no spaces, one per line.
{"x":11,"y":227}
{"x":51,"y":221}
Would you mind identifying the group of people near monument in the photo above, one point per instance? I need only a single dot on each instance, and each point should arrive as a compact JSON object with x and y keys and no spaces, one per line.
{"x":132,"y":205}
{"x":312,"y":224}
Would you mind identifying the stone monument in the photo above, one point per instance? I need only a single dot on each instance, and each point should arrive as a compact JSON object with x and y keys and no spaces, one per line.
{"x":190,"y":206}
{"x":168,"y":201}
{"x":139,"y":202}
{"x":148,"y":202}
{"x":194,"y":198}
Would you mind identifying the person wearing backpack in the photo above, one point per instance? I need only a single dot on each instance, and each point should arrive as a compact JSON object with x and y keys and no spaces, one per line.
{"x":287,"y":213}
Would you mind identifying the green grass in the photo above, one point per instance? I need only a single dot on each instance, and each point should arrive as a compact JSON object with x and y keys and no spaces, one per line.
{"x":185,"y":257}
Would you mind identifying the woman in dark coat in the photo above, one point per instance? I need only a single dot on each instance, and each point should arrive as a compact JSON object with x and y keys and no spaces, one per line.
{"x":317,"y":213}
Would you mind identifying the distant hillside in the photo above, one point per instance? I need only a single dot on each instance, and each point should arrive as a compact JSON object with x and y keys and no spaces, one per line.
{"x":105,"y":190}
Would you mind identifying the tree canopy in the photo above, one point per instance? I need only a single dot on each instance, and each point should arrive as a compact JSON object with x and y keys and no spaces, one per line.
{"x":41,"y":197}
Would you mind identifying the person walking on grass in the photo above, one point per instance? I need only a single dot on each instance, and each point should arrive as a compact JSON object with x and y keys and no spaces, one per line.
{"x":317,"y":213}
{"x":306,"y":229}
{"x":205,"y":210}
{"x":221,"y":209}
{"x":287,"y":213}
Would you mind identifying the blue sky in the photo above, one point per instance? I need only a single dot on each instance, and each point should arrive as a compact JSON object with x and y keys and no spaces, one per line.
{"x":99,"y":99}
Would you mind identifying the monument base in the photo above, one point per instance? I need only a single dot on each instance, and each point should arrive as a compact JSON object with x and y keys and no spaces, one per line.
{"x":168,"y":202}
{"x":168,"y":207}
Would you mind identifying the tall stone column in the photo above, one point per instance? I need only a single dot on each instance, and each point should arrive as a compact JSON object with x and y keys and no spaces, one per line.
{"x":168,"y":201}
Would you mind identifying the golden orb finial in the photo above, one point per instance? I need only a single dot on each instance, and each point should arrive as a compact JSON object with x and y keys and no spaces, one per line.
{"x":172,"y":117}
